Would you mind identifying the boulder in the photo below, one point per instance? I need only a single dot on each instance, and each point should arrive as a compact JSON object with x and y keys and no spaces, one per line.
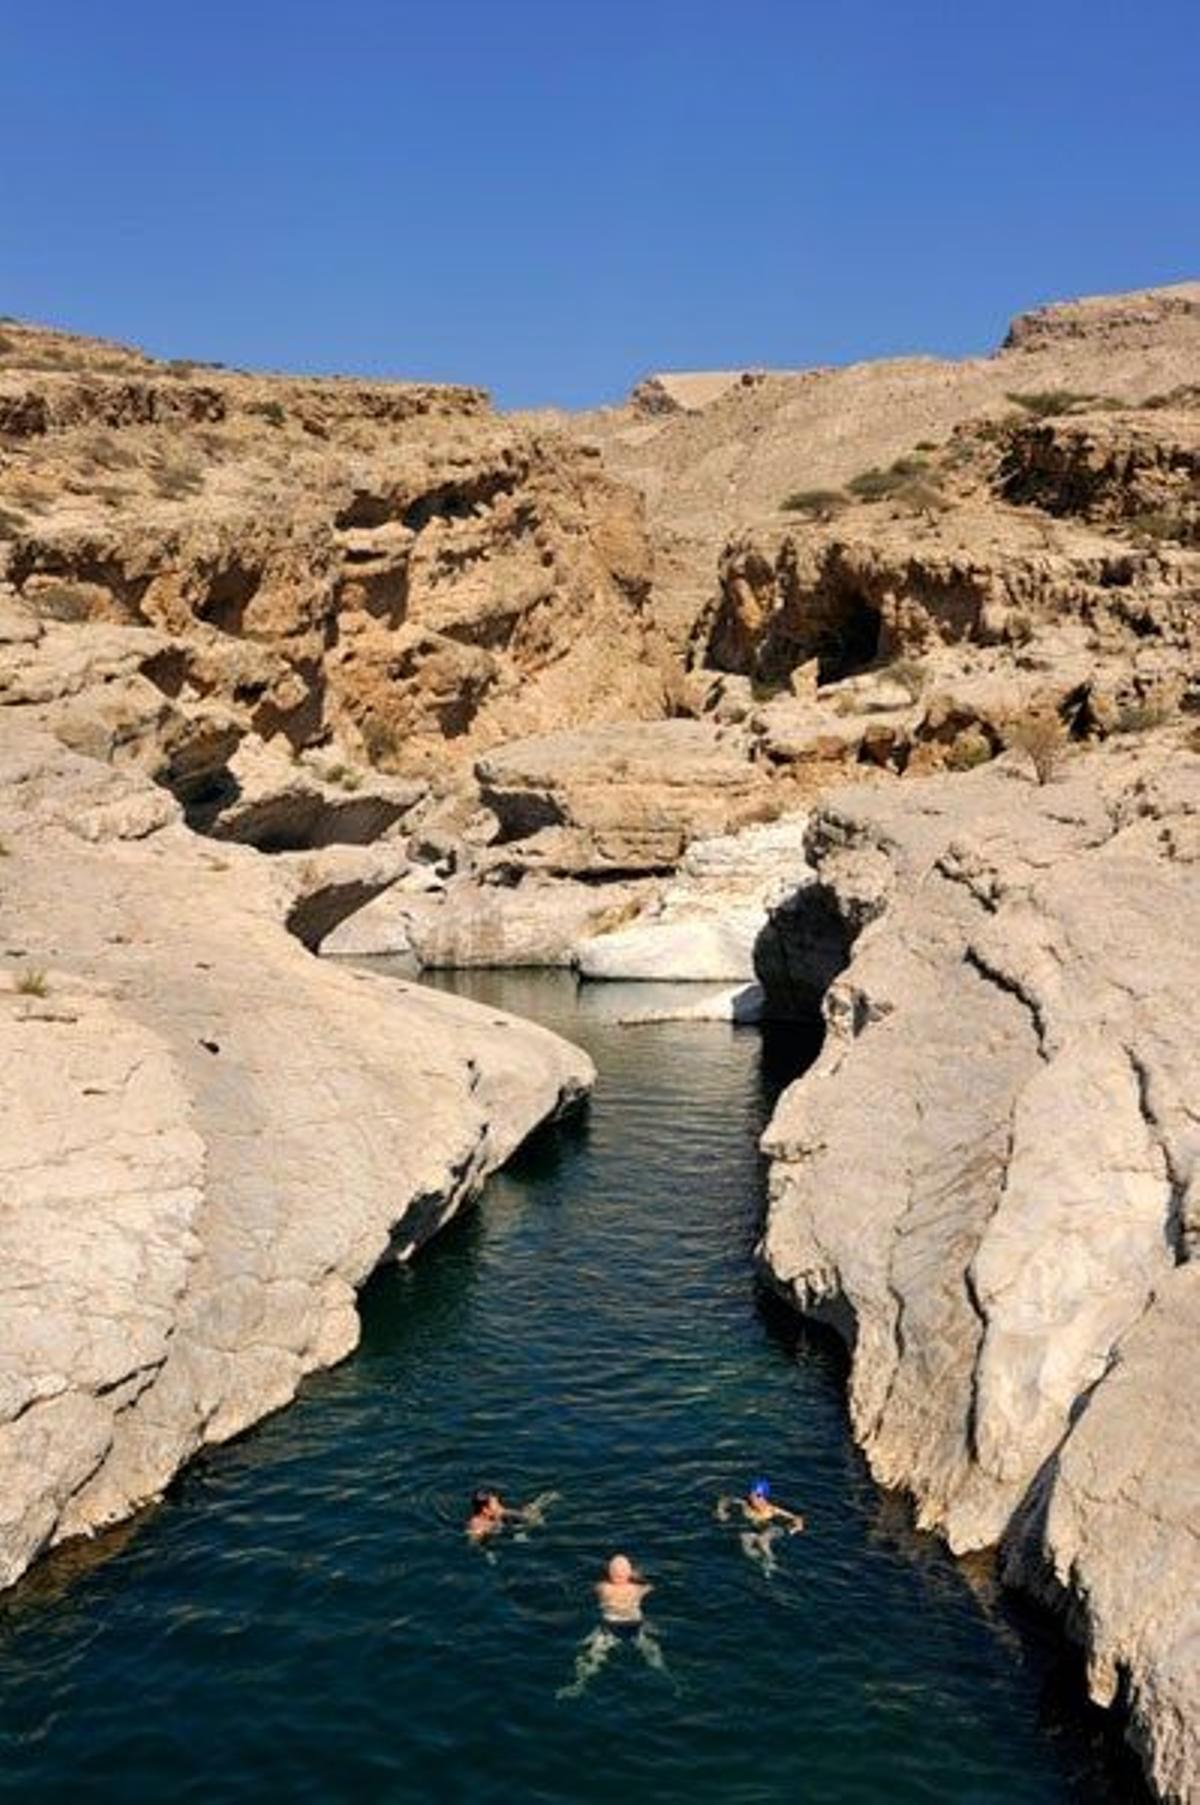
{"x":704,"y":924}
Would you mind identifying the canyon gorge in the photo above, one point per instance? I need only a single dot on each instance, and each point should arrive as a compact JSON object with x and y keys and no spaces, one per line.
{"x":868,"y":694}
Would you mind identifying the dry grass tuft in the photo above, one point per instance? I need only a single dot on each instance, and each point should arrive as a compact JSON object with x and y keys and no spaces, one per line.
{"x":1043,"y":740}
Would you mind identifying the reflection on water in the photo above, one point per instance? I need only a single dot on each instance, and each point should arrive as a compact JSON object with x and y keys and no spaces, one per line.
{"x":303,"y":1618}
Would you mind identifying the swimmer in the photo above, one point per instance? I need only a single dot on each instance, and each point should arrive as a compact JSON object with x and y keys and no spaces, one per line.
{"x":490,"y":1514}
{"x":619,"y":1594}
{"x":767,"y":1522}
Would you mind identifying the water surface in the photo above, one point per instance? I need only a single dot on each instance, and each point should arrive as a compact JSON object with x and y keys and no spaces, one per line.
{"x":303,"y":1620}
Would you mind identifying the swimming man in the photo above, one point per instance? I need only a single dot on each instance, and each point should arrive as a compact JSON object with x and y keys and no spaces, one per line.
{"x":489,"y":1513}
{"x":619,"y":1594}
{"x":766,"y":1520}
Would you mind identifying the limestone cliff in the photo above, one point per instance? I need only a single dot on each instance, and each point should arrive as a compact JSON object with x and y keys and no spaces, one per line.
{"x":210,"y":1138}
{"x":988,"y":1183}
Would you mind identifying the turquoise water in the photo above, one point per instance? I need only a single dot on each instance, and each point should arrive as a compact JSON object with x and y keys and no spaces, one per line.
{"x":302,"y":1618}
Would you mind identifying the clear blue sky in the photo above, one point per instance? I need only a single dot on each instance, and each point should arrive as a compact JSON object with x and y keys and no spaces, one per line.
{"x":553,"y":197}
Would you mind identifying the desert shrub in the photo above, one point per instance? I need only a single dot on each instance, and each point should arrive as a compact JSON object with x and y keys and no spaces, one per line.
{"x":877,"y":485}
{"x":1140,"y":717}
{"x":817,"y":502}
{"x":181,"y":366}
{"x":69,"y":602}
{"x":101,"y":450}
{"x":970,"y":748}
{"x":1043,"y":740}
{"x":1161,"y":525}
{"x":1186,"y":394}
{"x":1043,"y":404}
{"x":910,"y":674}
{"x":922,"y":498}
{"x":379,"y":740}
{"x":874,"y":485}
{"x":178,"y":474}
{"x":925,"y":445}
{"x":344,"y":776}
{"x":270,"y":411}
{"x":32,"y":982}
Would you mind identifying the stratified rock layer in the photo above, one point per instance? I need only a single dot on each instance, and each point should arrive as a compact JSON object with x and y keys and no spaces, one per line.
{"x":990,"y":1182}
{"x":388,"y":564}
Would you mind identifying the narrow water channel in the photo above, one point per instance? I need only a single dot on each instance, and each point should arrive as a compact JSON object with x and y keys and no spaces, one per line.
{"x":303,"y":1620}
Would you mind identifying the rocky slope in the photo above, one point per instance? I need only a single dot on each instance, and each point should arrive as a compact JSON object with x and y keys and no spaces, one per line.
{"x":716,"y":456}
{"x":210,"y":1138}
{"x":389,"y":566}
{"x":989,"y":1184}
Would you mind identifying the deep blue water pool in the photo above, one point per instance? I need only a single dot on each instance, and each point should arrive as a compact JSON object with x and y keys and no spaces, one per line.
{"x":302,"y":1618}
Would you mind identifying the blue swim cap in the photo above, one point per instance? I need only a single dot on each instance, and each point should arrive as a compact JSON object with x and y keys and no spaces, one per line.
{"x":760,"y":1489}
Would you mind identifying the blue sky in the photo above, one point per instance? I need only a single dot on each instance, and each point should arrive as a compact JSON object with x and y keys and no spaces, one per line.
{"x":554,"y":198}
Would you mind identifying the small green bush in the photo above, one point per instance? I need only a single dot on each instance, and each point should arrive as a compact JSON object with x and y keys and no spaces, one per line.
{"x":909,"y":466}
{"x":875,"y":485}
{"x":32,"y":982}
{"x":818,"y":502}
{"x":1160,"y":524}
{"x":1140,"y":717}
{"x":1043,"y":404}
{"x":969,"y":749}
{"x":270,"y":411}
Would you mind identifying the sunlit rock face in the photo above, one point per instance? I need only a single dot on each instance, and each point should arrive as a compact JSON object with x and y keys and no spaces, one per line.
{"x":988,"y":1183}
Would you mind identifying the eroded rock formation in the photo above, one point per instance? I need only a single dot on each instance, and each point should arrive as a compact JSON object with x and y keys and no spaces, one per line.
{"x":210,"y":1137}
{"x":988,"y":1183}
{"x":388,"y":565}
